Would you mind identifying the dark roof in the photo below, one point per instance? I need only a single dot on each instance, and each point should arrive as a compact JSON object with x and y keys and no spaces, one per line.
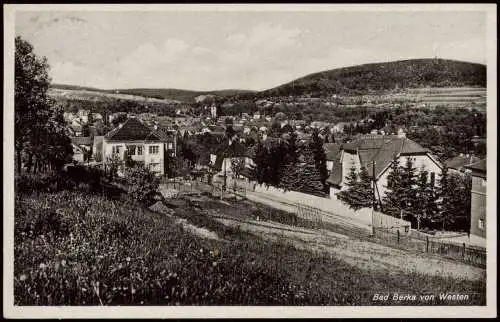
{"x":335,"y":177}
{"x":332,"y":151}
{"x":163,"y":133}
{"x":478,"y":168}
{"x":460,"y":161}
{"x":133,"y":130}
{"x":382,"y":150}
{"x":81,"y":140}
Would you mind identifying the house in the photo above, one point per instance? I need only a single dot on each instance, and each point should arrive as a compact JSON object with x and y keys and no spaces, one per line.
{"x":84,"y":142}
{"x":84,"y":116}
{"x":78,"y":153}
{"x":75,"y":129}
{"x":457,"y":164}
{"x":213,"y":110}
{"x":223,"y":161}
{"x":332,"y":152}
{"x":376,"y":153}
{"x":478,"y":198}
{"x":144,"y":144}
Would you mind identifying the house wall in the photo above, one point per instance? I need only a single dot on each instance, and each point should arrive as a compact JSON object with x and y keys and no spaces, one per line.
{"x":146,"y":157}
{"x":78,"y":156}
{"x":421,"y":162}
{"x":329,"y":165}
{"x":158,"y":158}
{"x":347,"y":160}
{"x":478,"y":206}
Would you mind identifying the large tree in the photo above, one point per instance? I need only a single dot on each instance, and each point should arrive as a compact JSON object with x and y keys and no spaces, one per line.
{"x":454,"y":206}
{"x":359,"y":192}
{"x":39,"y":131}
{"x":395,"y":190}
{"x":300,"y":174}
{"x":316,"y":146}
{"x":427,"y":196}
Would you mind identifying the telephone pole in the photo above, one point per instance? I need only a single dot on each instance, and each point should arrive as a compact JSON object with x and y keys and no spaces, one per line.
{"x":373,"y":198}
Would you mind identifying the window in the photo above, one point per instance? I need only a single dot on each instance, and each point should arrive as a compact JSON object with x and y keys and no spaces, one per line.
{"x":483,"y":182}
{"x":433,"y":178}
{"x":116,"y":149}
{"x":480,"y":224}
{"x":131,"y":149}
{"x":153,"y":149}
{"x":139,"y":150}
{"x":170,"y":145}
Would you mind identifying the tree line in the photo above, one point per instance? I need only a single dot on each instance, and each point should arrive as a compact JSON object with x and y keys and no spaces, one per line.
{"x":292,"y":165}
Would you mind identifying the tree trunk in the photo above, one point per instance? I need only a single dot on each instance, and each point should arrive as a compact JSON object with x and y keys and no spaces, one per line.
{"x":18,"y":155}
{"x":30,"y":163}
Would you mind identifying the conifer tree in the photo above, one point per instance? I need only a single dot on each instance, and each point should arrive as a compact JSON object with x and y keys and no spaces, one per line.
{"x":359,"y":192}
{"x":426,"y":206}
{"x":395,"y":190}
{"x":454,"y":205}
{"x":316,"y":146}
{"x":409,"y":185}
{"x":302,"y":175}
{"x":259,"y":170}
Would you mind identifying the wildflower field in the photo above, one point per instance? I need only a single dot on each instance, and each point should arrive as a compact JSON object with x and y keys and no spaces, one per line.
{"x":75,"y":247}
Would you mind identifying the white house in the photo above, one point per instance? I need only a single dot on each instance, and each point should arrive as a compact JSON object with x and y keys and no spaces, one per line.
{"x":145,"y":145}
{"x":376,"y":153}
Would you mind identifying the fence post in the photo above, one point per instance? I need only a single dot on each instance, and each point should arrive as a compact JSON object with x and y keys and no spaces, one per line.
{"x":398,"y":236}
{"x":426,"y":244}
{"x":463,"y":251}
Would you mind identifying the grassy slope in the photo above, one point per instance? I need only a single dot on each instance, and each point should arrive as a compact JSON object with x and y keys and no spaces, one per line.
{"x":140,"y":257}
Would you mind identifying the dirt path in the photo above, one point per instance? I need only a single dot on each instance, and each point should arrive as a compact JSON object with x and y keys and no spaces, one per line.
{"x":363,"y":254}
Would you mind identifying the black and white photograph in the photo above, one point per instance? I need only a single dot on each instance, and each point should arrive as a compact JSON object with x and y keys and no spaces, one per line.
{"x":250,"y":160}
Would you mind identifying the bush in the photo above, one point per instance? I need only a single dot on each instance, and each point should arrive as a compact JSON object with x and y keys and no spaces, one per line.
{"x":143,"y":184}
{"x":73,"y":177}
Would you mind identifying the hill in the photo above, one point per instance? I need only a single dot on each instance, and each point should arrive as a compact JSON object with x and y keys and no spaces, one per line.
{"x":397,"y":75}
{"x":182,"y":95}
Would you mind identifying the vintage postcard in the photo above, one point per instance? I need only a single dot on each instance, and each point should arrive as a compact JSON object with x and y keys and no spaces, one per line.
{"x":249,"y":160}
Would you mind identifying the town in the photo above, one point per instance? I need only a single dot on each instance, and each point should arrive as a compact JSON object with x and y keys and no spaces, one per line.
{"x":359,"y":185}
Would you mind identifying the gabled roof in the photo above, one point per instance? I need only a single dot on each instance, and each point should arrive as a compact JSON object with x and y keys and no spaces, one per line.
{"x":133,"y":130}
{"x":332,"y":151}
{"x":335,"y":177}
{"x":382,"y":149}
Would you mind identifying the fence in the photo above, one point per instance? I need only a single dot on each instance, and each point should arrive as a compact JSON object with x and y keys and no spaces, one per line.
{"x":426,"y":244}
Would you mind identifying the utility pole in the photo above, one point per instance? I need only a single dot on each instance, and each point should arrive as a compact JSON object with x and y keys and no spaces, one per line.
{"x":374,"y":198}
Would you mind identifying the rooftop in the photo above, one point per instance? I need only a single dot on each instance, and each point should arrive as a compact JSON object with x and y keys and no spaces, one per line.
{"x":382,"y":149}
{"x":133,"y":130}
{"x":478,"y":168}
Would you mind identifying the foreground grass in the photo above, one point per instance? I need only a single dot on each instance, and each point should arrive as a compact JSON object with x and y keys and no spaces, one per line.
{"x":73,"y":248}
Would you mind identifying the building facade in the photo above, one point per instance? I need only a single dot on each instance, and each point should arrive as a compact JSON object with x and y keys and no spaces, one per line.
{"x":145,"y":145}
{"x":478,"y":198}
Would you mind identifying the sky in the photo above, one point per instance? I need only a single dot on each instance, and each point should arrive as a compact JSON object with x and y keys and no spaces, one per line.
{"x":212,"y":50}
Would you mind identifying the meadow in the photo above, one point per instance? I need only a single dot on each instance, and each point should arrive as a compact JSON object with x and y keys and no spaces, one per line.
{"x":78,"y":246}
